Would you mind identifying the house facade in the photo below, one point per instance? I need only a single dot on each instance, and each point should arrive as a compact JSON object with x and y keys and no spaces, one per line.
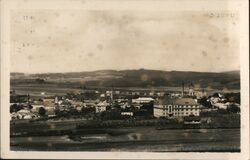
{"x":101,"y":106}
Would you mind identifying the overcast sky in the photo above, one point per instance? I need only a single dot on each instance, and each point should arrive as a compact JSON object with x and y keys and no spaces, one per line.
{"x":72,"y":41}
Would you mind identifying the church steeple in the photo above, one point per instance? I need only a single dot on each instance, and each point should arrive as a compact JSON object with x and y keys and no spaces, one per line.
{"x":191,"y":89}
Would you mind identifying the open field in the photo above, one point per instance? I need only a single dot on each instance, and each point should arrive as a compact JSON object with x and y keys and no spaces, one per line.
{"x":136,"y":139}
{"x":56,"y":88}
{"x":136,"y":80}
{"x":64,"y":135}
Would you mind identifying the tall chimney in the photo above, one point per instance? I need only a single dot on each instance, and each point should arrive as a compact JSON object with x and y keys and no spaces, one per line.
{"x":28,"y":99}
{"x":182,"y":93}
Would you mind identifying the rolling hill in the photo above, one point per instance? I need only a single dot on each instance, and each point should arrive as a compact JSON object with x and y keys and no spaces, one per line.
{"x":134,"y":78}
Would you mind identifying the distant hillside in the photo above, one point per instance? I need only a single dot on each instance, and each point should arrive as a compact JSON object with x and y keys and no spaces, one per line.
{"x":135,"y":78}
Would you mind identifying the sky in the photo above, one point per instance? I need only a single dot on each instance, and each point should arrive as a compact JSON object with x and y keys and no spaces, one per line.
{"x":86,"y":40}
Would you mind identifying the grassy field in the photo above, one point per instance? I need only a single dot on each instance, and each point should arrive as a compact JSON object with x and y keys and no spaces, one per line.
{"x":135,"y":139}
{"x":57,"y":88}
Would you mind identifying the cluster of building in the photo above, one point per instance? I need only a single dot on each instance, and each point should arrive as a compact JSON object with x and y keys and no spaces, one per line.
{"x":219,"y":101}
{"x":129,"y":103}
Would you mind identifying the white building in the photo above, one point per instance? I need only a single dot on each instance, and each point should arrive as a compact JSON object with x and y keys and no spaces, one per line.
{"x":35,"y":107}
{"x":215,"y":100}
{"x":117,"y":92}
{"x":178,"y":107}
{"x":220,"y":105}
{"x":151,"y":93}
{"x":160,"y":94}
{"x":23,"y":114}
{"x":200,"y":94}
{"x":224,"y":105}
{"x":102,"y":95}
{"x":142,"y":100}
{"x":124,"y":105}
{"x":127,"y":113}
{"x":101,"y":106}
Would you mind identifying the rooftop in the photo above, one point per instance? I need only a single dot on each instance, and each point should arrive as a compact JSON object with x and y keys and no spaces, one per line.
{"x":145,"y":99}
{"x":177,"y":101}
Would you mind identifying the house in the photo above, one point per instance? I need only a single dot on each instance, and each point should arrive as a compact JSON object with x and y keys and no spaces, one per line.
{"x":108,"y":93}
{"x":49,"y":101}
{"x":176,"y":107}
{"x":215,"y":99}
{"x":200,"y":94}
{"x":160,"y":94}
{"x":220,"y":105}
{"x":127,"y":113}
{"x":50,"y":111}
{"x":102,"y":95}
{"x":142,"y":100}
{"x":79,"y":108}
{"x":19,"y":116}
{"x":23,"y":114}
{"x":15,"y":116}
{"x":137,"y":93}
{"x":151,"y":93}
{"x":176,"y":94}
{"x":124,"y":105}
{"x":90,"y":103}
{"x":97,"y":92}
{"x":133,"y":93}
{"x":117,"y":92}
{"x":101,"y":106}
{"x":76,"y":103}
{"x":35,"y":107}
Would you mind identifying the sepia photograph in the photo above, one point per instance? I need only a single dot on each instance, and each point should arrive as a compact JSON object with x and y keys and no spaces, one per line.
{"x":113,"y":79}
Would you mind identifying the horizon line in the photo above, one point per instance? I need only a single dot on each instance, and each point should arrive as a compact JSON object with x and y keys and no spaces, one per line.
{"x":125,"y":70}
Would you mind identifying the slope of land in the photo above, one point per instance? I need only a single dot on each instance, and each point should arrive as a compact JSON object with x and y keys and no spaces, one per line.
{"x":133,"y":78}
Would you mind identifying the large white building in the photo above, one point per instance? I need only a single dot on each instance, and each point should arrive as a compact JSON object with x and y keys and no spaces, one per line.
{"x":177,"y":107}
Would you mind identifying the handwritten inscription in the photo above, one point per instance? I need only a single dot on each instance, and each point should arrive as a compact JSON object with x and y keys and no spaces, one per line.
{"x":27,"y":17}
{"x":221,"y":14}
{"x":24,"y":21}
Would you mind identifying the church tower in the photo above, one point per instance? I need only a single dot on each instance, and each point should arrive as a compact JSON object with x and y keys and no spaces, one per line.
{"x":191,"y":89}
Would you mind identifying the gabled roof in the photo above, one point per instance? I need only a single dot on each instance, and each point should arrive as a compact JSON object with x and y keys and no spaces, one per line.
{"x":186,"y":101}
{"x":103,"y":103}
{"x":177,"y":101}
{"x":165,"y":101}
